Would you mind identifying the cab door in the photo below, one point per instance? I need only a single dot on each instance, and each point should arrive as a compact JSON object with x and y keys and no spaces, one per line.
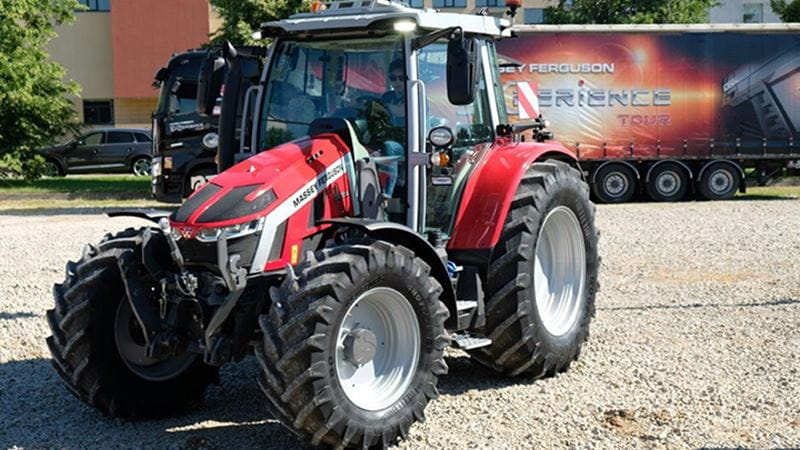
{"x":83,"y":154}
{"x":472,"y":126}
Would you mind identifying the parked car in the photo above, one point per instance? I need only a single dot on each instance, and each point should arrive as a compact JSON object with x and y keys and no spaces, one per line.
{"x":102,"y":150}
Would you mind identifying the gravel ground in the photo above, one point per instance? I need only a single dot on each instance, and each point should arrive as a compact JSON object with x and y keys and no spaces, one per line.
{"x":695,"y":344}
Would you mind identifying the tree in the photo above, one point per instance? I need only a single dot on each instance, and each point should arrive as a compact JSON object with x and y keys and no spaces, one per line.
{"x":34,"y":108}
{"x":788,"y":11}
{"x":243,"y":17}
{"x":629,"y":11}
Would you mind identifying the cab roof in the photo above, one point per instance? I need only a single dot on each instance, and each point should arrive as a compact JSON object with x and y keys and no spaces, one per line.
{"x":340,"y":15}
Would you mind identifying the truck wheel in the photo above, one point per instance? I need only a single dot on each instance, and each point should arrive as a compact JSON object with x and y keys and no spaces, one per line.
{"x":98,"y":349}
{"x":542,"y":277}
{"x":353,"y":346}
{"x":668,"y":182}
{"x":141,"y":166}
{"x":719,"y":182}
{"x":614,"y":183}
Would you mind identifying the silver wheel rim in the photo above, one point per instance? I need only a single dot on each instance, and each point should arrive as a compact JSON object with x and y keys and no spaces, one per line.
{"x":141,"y":167}
{"x":720,"y":181}
{"x":559,"y":271}
{"x":383,"y":318}
{"x":668,"y":183}
{"x":130,"y":345}
{"x":616,"y":184}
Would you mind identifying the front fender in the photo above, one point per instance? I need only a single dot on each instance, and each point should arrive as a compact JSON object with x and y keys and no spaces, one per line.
{"x":489,"y":191}
{"x":402,"y":235}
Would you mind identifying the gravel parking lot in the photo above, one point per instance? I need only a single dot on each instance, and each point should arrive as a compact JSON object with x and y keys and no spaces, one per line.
{"x":696,"y":343}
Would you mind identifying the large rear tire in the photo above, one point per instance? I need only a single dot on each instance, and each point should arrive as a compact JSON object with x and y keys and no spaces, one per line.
{"x":542,"y":278}
{"x":353,"y":347}
{"x":95,"y":347}
{"x":720,"y":181}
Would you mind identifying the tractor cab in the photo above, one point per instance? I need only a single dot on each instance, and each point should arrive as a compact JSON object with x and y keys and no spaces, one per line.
{"x":415,"y":93}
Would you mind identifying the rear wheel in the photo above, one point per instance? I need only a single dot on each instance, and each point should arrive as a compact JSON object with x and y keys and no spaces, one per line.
{"x":542,"y":278}
{"x":98,"y":347}
{"x":353,"y":347}
{"x":141,"y":166}
{"x":668,"y":182}
{"x":614,"y":183}
{"x":719,"y":182}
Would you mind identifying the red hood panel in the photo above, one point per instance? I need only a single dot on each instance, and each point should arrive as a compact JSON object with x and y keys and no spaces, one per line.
{"x":284,"y":169}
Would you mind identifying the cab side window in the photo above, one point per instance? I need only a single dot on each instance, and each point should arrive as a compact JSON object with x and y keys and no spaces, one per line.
{"x":93,"y":139}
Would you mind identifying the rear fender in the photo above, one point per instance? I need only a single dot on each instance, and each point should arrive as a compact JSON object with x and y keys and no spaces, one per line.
{"x":402,"y":235}
{"x":491,"y":188}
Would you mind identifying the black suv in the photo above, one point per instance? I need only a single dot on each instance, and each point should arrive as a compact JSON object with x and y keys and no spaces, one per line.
{"x":102,"y":150}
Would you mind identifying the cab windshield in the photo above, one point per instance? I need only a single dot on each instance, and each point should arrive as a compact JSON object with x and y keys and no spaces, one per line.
{"x":362,"y":80}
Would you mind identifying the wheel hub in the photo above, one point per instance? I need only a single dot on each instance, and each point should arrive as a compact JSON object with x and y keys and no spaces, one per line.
{"x":360,"y":346}
{"x":668,"y":183}
{"x":616,"y":184}
{"x":378,"y":348}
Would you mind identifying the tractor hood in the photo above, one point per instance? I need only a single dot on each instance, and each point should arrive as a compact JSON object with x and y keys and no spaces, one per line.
{"x":286,"y":176}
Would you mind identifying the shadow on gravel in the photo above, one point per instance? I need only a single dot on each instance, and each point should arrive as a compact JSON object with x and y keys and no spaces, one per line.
{"x":37,"y":411}
{"x":17,"y":315}
{"x":778,"y":302}
{"x":465,"y":375}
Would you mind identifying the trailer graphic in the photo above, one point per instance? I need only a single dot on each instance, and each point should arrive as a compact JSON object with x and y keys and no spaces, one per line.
{"x":670,"y":111}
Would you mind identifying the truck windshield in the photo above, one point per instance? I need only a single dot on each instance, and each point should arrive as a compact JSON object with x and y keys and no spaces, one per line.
{"x":358,"y":79}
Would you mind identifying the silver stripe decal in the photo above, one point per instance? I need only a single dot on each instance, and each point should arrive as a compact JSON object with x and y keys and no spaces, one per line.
{"x":98,"y":166}
{"x":291,"y":205}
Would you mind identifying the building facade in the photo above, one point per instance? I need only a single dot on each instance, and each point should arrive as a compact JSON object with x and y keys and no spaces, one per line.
{"x":115,"y":47}
{"x":743,"y":11}
{"x":531,"y":12}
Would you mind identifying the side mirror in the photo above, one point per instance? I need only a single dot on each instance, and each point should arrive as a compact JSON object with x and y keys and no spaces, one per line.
{"x":160,"y":77}
{"x":209,"y":83}
{"x":462,"y":69}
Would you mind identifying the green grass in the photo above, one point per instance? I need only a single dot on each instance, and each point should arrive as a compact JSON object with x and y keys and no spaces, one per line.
{"x":767,"y":192}
{"x":89,"y":186}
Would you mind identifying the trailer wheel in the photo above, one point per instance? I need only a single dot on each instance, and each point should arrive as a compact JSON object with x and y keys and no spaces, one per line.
{"x":98,"y":349}
{"x":542,"y":277}
{"x":668,"y":182}
{"x":720,"y":181}
{"x":353,"y":345}
{"x":614,"y":183}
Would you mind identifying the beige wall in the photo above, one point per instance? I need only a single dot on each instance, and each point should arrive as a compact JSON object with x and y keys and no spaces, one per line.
{"x":214,"y":20}
{"x":91,"y":66}
{"x":133,"y":112}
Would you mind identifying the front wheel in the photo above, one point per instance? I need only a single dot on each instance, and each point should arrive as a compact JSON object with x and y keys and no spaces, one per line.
{"x":98,"y":348}
{"x":542,"y":277}
{"x":353,"y":347}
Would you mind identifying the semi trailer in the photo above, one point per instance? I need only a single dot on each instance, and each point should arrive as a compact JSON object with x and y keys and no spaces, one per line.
{"x":670,"y":111}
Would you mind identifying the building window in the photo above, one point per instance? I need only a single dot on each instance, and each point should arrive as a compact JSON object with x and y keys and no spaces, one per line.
{"x":416,"y":4}
{"x":533,"y":15}
{"x":96,"y":5}
{"x":98,"y":112}
{"x":753,"y":13}
{"x":449,"y":3}
{"x":490,"y":3}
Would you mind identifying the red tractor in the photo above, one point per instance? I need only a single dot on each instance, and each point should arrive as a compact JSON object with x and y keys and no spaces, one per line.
{"x":391,"y":212}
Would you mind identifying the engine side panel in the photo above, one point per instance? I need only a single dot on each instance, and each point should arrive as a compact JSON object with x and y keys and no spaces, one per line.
{"x":489,"y":192}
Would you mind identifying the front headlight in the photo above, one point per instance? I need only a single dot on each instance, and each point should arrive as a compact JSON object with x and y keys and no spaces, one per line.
{"x":231,"y":232}
{"x":155,"y":167}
